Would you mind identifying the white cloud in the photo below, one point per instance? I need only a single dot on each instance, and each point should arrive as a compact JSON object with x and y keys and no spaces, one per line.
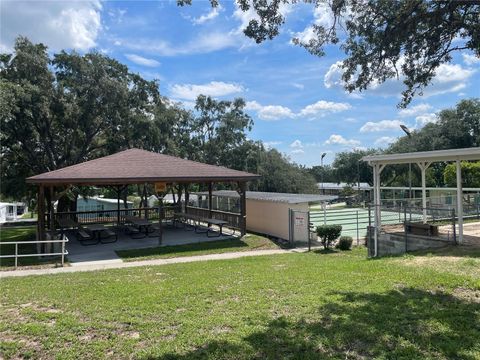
{"x":212,"y":14}
{"x":424,"y":119}
{"x":322,"y":108}
{"x":385,"y":140}
{"x":270,"y":112}
{"x":271,"y":144}
{"x":383,"y":125}
{"x":57,"y":24}
{"x":336,"y":139}
{"x":213,"y":88}
{"x":140,"y":60}
{"x":297,"y":151}
{"x":470,"y":59}
{"x":323,"y":16}
{"x":298,"y":86}
{"x":449,"y":78}
{"x":277,"y":112}
{"x":415,"y":110}
{"x":296,"y":144}
{"x":201,"y":44}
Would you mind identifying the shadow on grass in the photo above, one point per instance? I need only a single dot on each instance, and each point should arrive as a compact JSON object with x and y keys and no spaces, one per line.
{"x":179,"y":249}
{"x":405,"y":323}
{"x":326,"y":251}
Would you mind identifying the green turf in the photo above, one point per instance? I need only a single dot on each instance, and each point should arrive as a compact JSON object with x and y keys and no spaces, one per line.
{"x":26,"y":233}
{"x":292,"y":306}
{"x":247,"y":243}
{"x":347,"y":217}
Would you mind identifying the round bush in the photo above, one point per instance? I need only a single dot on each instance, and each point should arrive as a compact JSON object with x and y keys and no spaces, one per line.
{"x":328,"y":233}
{"x":345,"y":243}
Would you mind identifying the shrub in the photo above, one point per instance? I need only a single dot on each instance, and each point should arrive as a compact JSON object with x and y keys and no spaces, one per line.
{"x":328,"y":233}
{"x":345,"y":243}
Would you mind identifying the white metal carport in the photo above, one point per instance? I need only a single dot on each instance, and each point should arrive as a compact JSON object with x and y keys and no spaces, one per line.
{"x":423,"y":159}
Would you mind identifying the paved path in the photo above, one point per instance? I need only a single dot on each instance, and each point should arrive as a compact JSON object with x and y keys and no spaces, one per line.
{"x":103,"y":265}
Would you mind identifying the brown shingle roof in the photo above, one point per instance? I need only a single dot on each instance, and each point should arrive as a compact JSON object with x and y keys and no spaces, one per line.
{"x":139,"y":166}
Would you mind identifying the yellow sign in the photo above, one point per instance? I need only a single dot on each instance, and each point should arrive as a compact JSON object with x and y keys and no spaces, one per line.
{"x":160,"y":187}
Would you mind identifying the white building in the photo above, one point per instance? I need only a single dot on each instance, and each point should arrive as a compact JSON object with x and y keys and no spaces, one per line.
{"x":11,"y":211}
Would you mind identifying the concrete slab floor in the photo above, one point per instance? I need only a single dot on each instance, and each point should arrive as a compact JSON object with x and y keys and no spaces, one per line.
{"x":79,"y":254}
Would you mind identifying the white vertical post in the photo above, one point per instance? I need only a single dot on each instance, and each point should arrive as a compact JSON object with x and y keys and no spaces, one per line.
{"x":459,"y":202}
{"x":375,"y":214}
{"x":423,"y":167}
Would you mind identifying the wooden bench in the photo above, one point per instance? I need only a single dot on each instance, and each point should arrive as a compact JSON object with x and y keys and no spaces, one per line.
{"x":421,"y":229}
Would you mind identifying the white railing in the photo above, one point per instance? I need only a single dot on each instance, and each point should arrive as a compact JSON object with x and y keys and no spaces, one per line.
{"x":17,"y":255}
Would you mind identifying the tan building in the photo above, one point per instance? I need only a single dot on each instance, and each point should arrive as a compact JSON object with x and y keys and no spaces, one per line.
{"x":267,"y":212}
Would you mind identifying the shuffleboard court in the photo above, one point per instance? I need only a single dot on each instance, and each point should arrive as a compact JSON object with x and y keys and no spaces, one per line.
{"x":354,"y":221}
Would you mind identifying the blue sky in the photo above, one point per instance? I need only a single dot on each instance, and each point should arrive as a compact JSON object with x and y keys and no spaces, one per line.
{"x":296,"y":99}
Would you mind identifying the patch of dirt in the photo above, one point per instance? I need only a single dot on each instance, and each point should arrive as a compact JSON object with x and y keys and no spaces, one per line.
{"x":468,"y":295}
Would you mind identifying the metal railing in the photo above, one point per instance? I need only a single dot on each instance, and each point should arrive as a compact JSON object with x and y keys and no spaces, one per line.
{"x":105,"y":216}
{"x":16,"y":255}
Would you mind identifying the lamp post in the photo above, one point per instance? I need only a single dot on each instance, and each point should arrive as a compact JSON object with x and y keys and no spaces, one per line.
{"x":321,"y":164}
{"x":407,"y":131}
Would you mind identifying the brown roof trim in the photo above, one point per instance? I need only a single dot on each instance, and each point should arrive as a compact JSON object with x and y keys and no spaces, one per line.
{"x":136,"y":166}
{"x":136,"y":181}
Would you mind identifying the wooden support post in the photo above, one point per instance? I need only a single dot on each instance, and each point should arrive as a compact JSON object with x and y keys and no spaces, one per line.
{"x":51,"y":209}
{"x":41,"y":213}
{"x":187,"y":198}
{"x":243,"y":207}
{"x":160,"y":217}
{"x":145,"y":205}
{"x":210,"y":202}
{"x":118,"y":205}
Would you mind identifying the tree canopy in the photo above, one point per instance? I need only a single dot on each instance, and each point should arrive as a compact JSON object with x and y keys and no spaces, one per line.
{"x":61,"y":110}
{"x":382,"y":39}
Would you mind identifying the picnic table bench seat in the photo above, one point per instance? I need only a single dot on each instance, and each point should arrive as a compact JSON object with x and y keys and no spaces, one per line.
{"x":85,"y":237}
{"x":108,"y":233}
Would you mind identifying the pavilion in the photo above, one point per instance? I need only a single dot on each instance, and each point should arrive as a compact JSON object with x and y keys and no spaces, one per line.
{"x":423,"y":159}
{"x":135,"y":166}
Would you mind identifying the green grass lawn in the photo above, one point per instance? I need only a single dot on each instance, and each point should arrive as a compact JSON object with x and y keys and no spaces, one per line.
{"x":292,"y":306}
{"x":26,"y":233}
{"x":247,"y":243}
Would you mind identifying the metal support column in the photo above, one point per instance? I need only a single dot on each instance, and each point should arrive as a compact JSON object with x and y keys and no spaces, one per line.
{"x":459,"y":201}
{"x":423,"y":168}
{"x":377,"y":169}
{"x":243,"y":207}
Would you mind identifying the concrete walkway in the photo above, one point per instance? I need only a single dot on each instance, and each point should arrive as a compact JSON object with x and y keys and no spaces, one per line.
{"x":103,"y":265}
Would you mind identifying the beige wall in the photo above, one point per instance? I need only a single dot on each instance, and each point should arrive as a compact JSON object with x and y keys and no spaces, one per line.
{"x":269,"y":217}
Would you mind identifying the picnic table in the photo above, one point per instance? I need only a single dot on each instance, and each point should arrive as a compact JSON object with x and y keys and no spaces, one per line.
{"x":139,"y":223}
{"x":184,"y":217}
{"x":97,"y":229}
